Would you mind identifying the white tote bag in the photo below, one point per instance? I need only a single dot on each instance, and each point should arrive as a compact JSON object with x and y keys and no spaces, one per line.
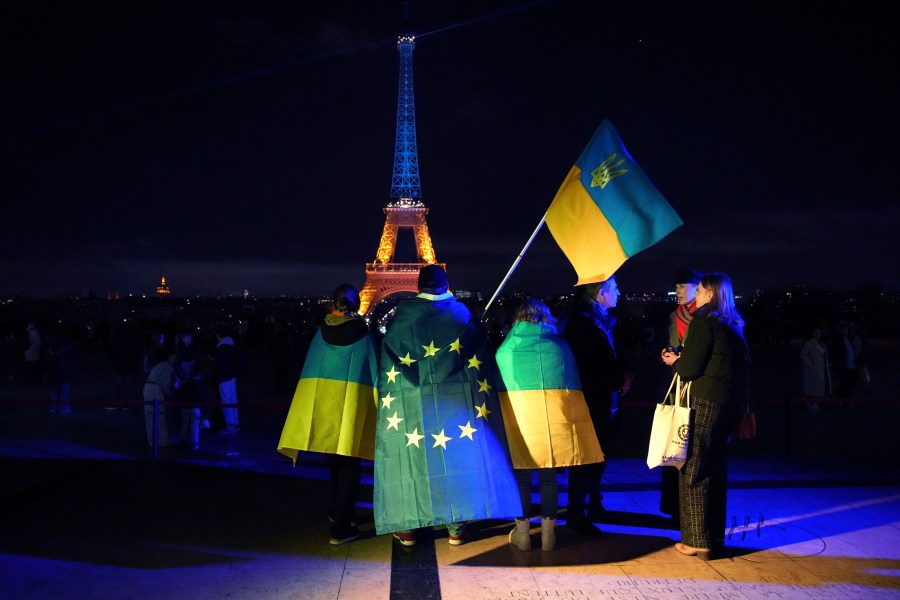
{"x":671,"y":429}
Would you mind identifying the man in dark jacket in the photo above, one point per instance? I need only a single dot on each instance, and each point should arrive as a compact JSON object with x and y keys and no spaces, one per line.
{"x":604,"y":377}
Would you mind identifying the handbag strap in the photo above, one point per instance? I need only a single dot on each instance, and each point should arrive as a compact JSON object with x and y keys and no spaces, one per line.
{"x":685,"y":395}
{"x":665,"y":399}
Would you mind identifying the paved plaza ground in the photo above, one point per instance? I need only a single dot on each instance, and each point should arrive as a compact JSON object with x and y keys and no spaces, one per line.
{"x":87,"y":513}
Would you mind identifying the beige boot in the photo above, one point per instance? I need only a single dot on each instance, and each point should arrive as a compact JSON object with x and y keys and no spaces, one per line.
{"x":520,"y":537}
{"x":548,"y":534}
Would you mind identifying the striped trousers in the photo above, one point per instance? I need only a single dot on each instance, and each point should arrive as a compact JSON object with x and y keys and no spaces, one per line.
{"x":702,"y":480}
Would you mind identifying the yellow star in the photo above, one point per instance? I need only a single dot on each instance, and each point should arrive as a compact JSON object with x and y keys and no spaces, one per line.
{"x":483,"y":386}
{"x":467,"y":431}
{"x":394,"y":421}
{"x":483,"y":411}
{"x":392,"y":374}
{"x":387,"y":400}
{"x":430,"y":350}
{"x":414,"y":437}
{"x":440,"y":440}
{"x":456,"y":346}
{"x":475,"y":363}
{"x":407,"y":360}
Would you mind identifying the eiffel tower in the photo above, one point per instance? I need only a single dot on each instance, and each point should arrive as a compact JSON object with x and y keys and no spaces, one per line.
{"x":384,"y":276}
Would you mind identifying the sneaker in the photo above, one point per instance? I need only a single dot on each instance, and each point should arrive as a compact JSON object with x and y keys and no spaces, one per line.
{"x":458,"y":538}
{"x":229,"y":430}
{"x":344,"y":537}
{"x":406,"y":538}
{"x":204,"y":424}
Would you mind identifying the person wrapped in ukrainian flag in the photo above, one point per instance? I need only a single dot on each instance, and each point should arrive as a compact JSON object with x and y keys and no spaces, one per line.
{"x":546,"y":417}
{"x":334,"y":406}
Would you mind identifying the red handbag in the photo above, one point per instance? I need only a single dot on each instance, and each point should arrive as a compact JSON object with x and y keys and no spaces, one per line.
{"x":745,"y":427}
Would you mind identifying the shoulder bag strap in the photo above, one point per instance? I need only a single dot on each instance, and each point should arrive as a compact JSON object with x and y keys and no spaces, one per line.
{"x":676,"y":383}
{"x":684,"y":398}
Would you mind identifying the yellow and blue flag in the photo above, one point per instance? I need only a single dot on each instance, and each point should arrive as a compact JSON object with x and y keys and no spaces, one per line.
{"x":547,"y":420}
{"x":334,"y":405}
{"x":607,"y":209}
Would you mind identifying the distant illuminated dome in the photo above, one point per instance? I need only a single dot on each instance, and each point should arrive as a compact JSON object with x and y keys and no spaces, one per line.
{"x":162,"y":289}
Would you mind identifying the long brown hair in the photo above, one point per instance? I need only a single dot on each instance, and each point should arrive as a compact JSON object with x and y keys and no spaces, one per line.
{"x":721,"y":305}
{"x":533,"y":310}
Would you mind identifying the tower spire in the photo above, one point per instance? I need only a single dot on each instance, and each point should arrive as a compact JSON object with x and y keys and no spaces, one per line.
{"x":405,"y":184}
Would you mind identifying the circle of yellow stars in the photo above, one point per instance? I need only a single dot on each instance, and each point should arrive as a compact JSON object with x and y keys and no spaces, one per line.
{"x":440,"y":439}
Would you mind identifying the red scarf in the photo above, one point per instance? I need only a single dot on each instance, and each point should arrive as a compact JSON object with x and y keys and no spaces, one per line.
{"x":683,"y":317}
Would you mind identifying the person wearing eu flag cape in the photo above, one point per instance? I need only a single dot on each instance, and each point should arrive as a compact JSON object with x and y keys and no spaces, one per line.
{"x":441,"y":456}
{"x":333,"y":410}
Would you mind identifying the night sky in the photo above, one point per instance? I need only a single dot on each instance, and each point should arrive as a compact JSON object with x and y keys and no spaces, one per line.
{"x":233,"y":146}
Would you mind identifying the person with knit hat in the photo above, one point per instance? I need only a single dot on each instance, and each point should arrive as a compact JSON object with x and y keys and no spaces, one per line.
{"x":441,"y":455}
{"x":685,"y":282}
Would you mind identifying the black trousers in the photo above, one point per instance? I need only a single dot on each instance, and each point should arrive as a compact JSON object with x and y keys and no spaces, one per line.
{"x":584,"y":480}
{"x":549,"y":489}
{"x":668,"y":497}
{"x":344,"y":492}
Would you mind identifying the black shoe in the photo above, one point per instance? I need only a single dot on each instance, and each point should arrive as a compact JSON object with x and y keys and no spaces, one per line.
{"x":584,"y":526}
{"x":342,"y":537}
{"x":353,"y":522}
{"x":596,"y":513}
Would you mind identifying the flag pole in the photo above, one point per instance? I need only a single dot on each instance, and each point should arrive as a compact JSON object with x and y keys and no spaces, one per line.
{"x":514,"y":265}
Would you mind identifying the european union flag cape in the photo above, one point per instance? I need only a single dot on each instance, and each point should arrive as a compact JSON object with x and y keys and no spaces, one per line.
{"x":546,"y":417}
{"x":440,"y":446}
{"x":333,"y":410}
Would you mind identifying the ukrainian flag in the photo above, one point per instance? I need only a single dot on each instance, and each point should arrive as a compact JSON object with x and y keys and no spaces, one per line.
{"x":607,"y":209}
{"x":334,"y":405}
{"x":546,"y":417}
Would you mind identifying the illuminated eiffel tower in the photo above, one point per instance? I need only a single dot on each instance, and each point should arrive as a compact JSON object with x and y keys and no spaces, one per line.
{"x":384,"y":276}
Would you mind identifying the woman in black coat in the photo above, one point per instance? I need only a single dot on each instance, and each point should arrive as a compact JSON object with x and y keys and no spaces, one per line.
{"x":715,"y":362}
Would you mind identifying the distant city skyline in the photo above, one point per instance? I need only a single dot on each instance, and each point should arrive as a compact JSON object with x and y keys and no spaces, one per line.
{"x":177,"y":290}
